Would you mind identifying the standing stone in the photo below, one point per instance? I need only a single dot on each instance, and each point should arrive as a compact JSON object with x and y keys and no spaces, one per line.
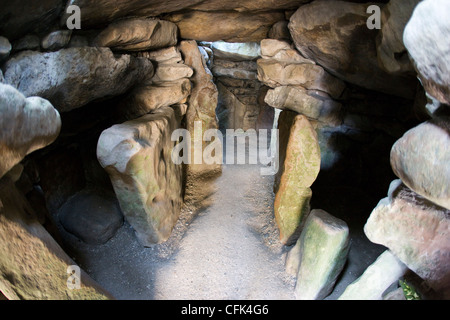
{"x":416,"y":231}
{"x":202,"y":105}
{"x":299,"y":168}
{"x":71,"y":78}
{"x":324,"y":249}
{"x":137,"y":156}
{"x":26,"y":124}
{"x":421,"y":159}
{"x":377,"y":278}
{"x":138,"y":35}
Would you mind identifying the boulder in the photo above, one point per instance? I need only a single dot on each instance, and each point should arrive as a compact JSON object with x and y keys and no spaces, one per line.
{"x":27,"y":124}
{"x":305,"y":102}
{"x":56,"y":40}
{"x":236,"y":51}
{"x":280,"y":31}
{"x":148,"y":184}
{"x":426,"y":37}
{"x":138,"y":35}
{"x":274,"y":73}
{"x":170,"y":55}
{"x":233,"y":26}
{"x":171,"y":72}
{"x":234,"y":73}
{"x":282,"y":51}
{"x":416,"y":231}
{"x":324,"y":248}
{"x":391,"y":52}
{"x":299,"y":168}
{"x":377,"y":278}
{"x":421,"y":157}
{"x":71,"y":78}
{"x":92,"y":216}
{"x":335,"y":35}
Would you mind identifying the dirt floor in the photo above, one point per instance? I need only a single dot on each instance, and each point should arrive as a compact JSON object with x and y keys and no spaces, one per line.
{"x":227,"y":249}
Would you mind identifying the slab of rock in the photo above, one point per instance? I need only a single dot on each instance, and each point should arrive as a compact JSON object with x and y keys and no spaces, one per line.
{"x":377,"y":278}
{"x":26,"y":125}
{"x":324,"y":249}
{"x":335,"y":35}
{"x":427,"y":41}
{"x":282,"y":51}
{"x":71,"y":78}
{"x":280,"y":31}
{"x":391,"y":52}
{"x":236,"y":51}
{"x":416,"y":231}
{"x":421,"y":159}
{"x":233,"y":26}
{"x":305,"y":102}
{"x":91,"y":216}
{"x":202,"y":103}
{"x":148,"y":184}
{"x":32,"y":265}
{"x":299,"y":168}
{"x":56,"y":40}
{"x":274,"y":73}
{"x":234,"y":73}
{"x":138,"y":35}
{"x":171,"y":72}
{"x":170,"y":55}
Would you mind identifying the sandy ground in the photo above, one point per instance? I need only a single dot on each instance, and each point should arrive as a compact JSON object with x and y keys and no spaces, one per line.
{"x":228,"y":250}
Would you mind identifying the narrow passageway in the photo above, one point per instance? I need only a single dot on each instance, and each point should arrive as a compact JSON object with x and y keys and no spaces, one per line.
{"x":227,"y":250}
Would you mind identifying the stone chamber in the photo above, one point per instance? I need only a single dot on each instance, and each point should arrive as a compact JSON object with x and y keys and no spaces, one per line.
{"x":357,"y":210}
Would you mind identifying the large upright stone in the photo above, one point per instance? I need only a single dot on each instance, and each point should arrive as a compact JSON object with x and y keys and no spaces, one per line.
{"x":324,"y":249}
{"x":427,"y":40}
{"x":71,"y":78}
{"x":202,"y":105}
{"x":421,"y":159}
{"x":148,"y":184}
{"x":299,"y":168}
{"x":416,"y":231}
{"x":335,"y":35}
{"x":138,"y":35}
{"x":26,"y":124}
{"x":377,"y":278}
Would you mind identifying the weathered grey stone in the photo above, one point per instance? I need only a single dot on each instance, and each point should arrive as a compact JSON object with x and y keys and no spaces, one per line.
{"x":417,"y":232}
{"x":420,"y":158}
{"x":236,"y":51}
{"x":234,"y":73}
{"x":335,"y":35}
{"x":310,"y":76}
{"x":137,"y":156}
{"x":299,"y":168}
{"x":32,"y":265}
{"x":27,"y":124}
{"x":5,"y":48}
{"x":293,"y":259}
{"x":324,"y":249}
{"x":377,"y":278}
{"x":56,"y":40}
{"x":71,"y":78}
{"x":426,"y":37}
{"x":92,"y":216}
{"x":138,"y":35}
